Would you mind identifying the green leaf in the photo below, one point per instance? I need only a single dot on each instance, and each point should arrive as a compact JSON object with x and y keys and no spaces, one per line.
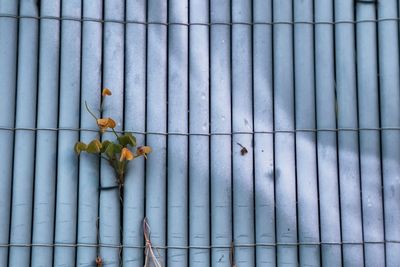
{"x":104,"y":145}
{"x":127,"y":139}
{"x":94,"y":147}
{"x":79,"y":147}
{"x":112,"y":150}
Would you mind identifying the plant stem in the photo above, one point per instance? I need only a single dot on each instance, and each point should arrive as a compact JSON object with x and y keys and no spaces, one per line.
{"x":115,"y":132}
{"x":91,"y":113}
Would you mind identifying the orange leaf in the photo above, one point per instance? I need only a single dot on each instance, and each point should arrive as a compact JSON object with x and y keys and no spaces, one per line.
{"x":105,"y":123}
{"x":111,"y":123}
{"x":106,"y":92}
{"x":126,"y":154}
{"x":99,"y":261}
{"x":143,"y":151}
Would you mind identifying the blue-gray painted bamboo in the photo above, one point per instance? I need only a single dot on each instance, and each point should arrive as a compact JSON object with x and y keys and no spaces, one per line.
{"x":24,"y":146}
{"x":46,"y":141}
{"x":326,"y":141}
{"x":306,"y":156}
{"x":113,"y":78}
{"x":242,"y":120}
{"x":67,"y":166}
{"x":89,"y":164}
{"x":134,"y":120}
{"x":8,"y":66}
{"x":349,"y":172}
{"x":199,"y":165}
{"x":157,"y":121}
{"x":177,"y":206}
{"x":389,"y":84}
{"x":264,"y":183}
{"x":221,"y":172}
{"x":370,"y":154}
{"x":285,"y":176}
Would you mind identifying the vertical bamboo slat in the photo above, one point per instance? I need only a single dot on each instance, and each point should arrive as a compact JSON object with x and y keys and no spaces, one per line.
{"x":221,"y":172}
{"x":177,"y":205}
{"x":306,"y":156}
{"x":135,"y":120}
{"x":113,"y":78}
{"x":88,"y":193}
{"x":67,"y":167}
{"x":8,"y":75}
{"x":349,"y":172}
{"x":264,"y":182}
{"x":24,"y":146}
{"x":199,"y":150}
{"x":285,"y":176}
{"x":326,"y":141}
{"x":370,"y":154}
{"x":46,"y":141}
{"x":156,"y":121}
{"x":242,"y":121}
{"x":389,"y":84}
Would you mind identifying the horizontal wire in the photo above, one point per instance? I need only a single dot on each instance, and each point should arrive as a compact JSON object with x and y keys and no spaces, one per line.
{"x":67,"y":18}
{"x":203,"y":247}
{"x":205,"y":134}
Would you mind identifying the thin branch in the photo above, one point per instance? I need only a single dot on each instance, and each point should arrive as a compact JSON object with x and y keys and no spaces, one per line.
{"x":91,"y":113}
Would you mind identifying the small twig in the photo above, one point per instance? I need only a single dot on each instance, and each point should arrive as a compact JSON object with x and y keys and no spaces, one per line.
{"x":232,"y":255}
{"x":99,"y":260}
{"x":149,"y":249}
{"x":114,"y":132}
{"x":91,"y":113}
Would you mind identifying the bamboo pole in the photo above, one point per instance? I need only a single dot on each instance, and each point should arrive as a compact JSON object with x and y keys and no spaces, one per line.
{"x":69,"y":112}
{"x":242,"y":144}
{"x":113,"y":78}
{"x":264,"y":183}
{"x":221,"y":165}
{"x":135,"y":120}
{"x":88,"y":194}
{"x":285,"y":176}
{"x":177,"y":205}
{"x":46,"y":141}
{"x":349,"y":172}
{"x":326,"y":141}
{"x":389,"y":84}
{"x":8,"y":74}
{"x":306,"y":156}
{"x":156,"y":184}
{"x":370,"y":154}
{"x":24,"y":147}
{"x":199,"y":122}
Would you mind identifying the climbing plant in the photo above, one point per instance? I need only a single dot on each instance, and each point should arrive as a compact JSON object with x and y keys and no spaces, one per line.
{"x":118,"y":152}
